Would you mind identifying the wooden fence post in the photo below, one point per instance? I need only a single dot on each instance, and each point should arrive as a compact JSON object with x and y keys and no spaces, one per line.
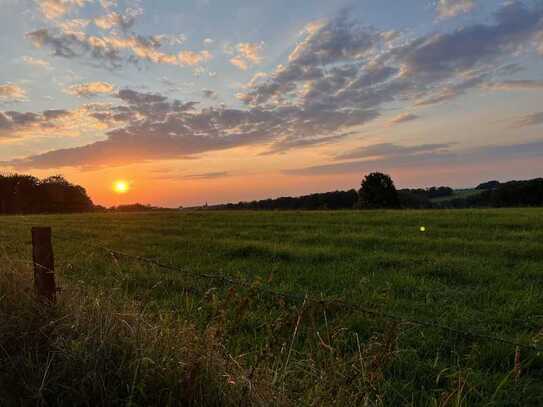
{"x":44,"y":265}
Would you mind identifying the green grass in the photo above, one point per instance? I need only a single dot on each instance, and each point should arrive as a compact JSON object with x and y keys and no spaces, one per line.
{"x":473,"y":270}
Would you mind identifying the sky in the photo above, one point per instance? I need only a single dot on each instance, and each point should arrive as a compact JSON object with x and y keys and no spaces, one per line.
{"x":194,"y":101}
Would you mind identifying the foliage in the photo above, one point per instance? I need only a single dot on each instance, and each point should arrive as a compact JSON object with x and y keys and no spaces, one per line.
{"x":514,"y":193}
{"x":413,"y":200}
{"x":327,"y":200}
{"x":137,"y":207}
{"x":508,"y":194}
{"x":489,"y":185}
{"x":21,"y":194}
{"x":378,"y":191}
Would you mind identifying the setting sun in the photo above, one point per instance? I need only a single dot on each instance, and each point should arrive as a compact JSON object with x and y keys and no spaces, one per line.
{"x":120,"y":187}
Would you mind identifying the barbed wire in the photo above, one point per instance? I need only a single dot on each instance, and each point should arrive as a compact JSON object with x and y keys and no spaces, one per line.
{"x":292,"y":296}
{"x":329,"y":302}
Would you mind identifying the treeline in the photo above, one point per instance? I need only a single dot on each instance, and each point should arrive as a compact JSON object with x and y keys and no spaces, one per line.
{"x":378,"y":191}
{"x":327,"y":200}
{"x":136,"y":207}
{"x":509,"y":194}
{"x":24,"y":194}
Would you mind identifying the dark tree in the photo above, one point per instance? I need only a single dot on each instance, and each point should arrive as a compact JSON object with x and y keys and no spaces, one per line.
{"x":490,"y":185}
{"x":27,"y":194}
{"x":325,"y":200}
{"x":378,"y":191}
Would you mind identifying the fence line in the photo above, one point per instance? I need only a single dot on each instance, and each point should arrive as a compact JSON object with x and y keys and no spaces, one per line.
{"x":307,"y":299}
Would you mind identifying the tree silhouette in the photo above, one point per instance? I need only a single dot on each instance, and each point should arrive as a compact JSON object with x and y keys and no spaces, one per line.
{"x":378,"y":191}
{"x":27,"y":194}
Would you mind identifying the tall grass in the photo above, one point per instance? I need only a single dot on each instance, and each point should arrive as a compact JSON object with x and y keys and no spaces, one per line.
{"x":92,"y":349}
{"x":124,"y":333}
{"x":98,"y":348}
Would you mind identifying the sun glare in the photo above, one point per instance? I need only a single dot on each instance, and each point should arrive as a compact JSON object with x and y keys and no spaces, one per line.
{"x":120,"y":187}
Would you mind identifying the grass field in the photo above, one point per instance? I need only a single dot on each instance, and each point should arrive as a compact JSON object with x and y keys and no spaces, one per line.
{"x":473,"y":270}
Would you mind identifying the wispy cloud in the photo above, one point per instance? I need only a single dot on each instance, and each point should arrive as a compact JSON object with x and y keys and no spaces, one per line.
{"x":41,"y":63}
{"x":287,"y":144}
{"x":248,"y":54}
{"x":52,"y":122}
{"x":192,"y":58}
{"x":452,"y":8}
{"x":403,"y":118}
{"x":209,"y":94}
{"x":52,"y":9}
{"x":112,"y":46}
{"x":417,"y":157}
{"x":532,"y":119}
{"x":115,"y":20}
{"x":206,"y":175}
{"x":10,"y":92}
{"x":91,"y":89}
{"x":109,"y":49}
{"x":523,"y":85}
{"x":390,"y":150}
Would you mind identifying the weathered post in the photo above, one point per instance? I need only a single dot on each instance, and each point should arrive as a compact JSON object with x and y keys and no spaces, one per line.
{"x":44,"y":265}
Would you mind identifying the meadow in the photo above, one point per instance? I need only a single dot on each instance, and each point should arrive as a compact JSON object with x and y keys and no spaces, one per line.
{"x":478,"y":272}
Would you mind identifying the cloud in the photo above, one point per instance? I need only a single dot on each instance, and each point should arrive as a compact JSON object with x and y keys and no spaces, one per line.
{"x":523,"y":84}
{"x":70,"y":38}
{"x":149,"y":126}
{"x":209,"y":94}
{"x":251,"y":51}
{"x":454,"y":88}
{"x":339,"y":76}
{"x":109,"y":49}
{"x":27,"y":124}
{"x":403,"y":118}
{"x":532,"y":119}
{"x":247,"y":54}
{"x":284,"y":145}
{"x":239,"y":62}
{"x":171,"y":39}
{"x":10,"y":92}
{"x":439,"y":55}
{"x":453,"y":8}
{"x":206,"y":175}
{"x":341,"y":63}
{"x":107,"y":4}
{"x":192,"y":58}
{"x":91,"y":89}
{"x":390,"y":150}
{"x":52,"y":9}
{"x":41,"y":63}
{"x":418,"y":158}
{"x":73,"y":26}
{"x":115,"y":20}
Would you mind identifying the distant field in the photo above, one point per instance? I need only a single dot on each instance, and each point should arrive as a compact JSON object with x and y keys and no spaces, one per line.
{"x":473,"y":270}
{"x":458,"y":194}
